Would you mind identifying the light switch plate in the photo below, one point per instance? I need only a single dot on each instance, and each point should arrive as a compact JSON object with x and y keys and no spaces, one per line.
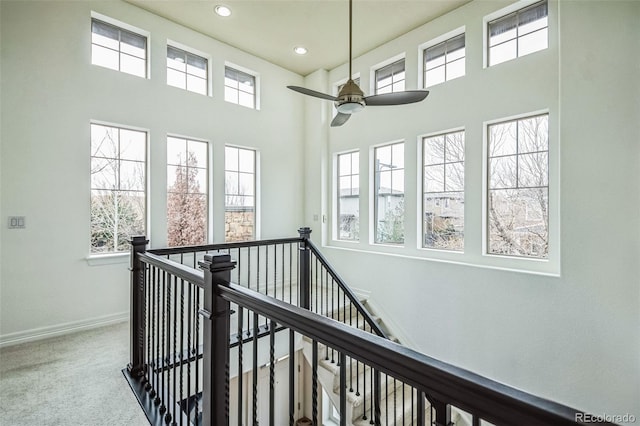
{"x":17,"y":222}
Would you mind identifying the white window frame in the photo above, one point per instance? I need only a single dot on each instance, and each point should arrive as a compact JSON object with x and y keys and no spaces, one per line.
{"x":123,"y":25}
{"x":112,"y":257}
{"x":433,"y":42}
{"x":256,"y":79}
{"x":550,"y":265}
{"x":373,"y":199}
{"x":256,"y":189}
{"x":336,"y":197}
{"x":376,"y":67}
{"x":421,"y":189}
{"x":208,"y":192}
{"x":208,"y":57}
{"x":522,"y":4}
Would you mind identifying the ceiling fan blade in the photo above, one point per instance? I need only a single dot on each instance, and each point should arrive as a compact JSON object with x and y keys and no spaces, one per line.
{"x":340,"y":119}
{"x":313,"y":93}
{"x":397,"y":98}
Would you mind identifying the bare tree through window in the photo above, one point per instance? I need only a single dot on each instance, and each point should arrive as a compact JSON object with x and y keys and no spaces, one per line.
{"x":518,"y":183}
{"x":118,"y":187}
{"x":443,"y":187}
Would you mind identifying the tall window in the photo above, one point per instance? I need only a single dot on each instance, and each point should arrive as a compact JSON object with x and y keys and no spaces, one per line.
{"x":118,"y":49}
{"x":443,"y":187}
{"x":519,"y":33}
{"x":444,"y":61}
{"x":389,"y":193}
{"x":240,"y":194}
{"x":518,"y":187}
{"x":239,"y":87}
{"x":187,"y":174}
{"x":118,"y":187}
{"x":349,"y":196}
{"x":390,"y":78}
{"x":186,"y":70}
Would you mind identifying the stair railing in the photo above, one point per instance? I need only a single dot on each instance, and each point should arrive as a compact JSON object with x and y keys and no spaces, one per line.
{"x":175,"y":307}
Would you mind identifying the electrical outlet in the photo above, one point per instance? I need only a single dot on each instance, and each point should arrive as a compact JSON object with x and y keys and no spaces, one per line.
{"x":17,"y":222}
{"x":315,"y":217}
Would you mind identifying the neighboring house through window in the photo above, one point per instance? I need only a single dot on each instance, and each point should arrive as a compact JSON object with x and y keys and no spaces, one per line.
{"x":118,"y":187}
{"x":239,"y":87}
{"x":518,"y":187}
{"x":389,"y":194}
{"x":117,"y":48}
{"x":348,"y":200}
{"x":517,"y":34}
{"x":443,"y":187}
{"x":240,"y":194}
{"x":187,"y":70}
{"x":187,"y":192}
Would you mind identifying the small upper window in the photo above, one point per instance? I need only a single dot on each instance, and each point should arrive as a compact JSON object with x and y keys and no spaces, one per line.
{"x":390,"y":78}
{"x":118,"y":49}
{"x":239,"y":87}
{"x":519,"y":33}
{"x":187,"y":70}
{"x":444,"y":61}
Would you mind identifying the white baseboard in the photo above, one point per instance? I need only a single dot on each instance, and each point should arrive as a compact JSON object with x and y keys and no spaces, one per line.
{"x":61,"y":329}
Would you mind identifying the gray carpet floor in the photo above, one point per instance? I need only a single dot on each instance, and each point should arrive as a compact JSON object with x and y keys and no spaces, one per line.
{"x":74,"y":379}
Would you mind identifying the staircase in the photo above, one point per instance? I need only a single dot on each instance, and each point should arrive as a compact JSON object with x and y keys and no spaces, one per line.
{"x":398,"y":402}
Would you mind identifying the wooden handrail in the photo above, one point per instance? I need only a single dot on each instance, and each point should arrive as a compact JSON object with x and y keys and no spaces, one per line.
{"x":493,"y":401}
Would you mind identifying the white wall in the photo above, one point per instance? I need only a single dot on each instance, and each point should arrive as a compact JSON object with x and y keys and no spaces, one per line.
{"x":50,"y":92}
{"x":571,"y":330}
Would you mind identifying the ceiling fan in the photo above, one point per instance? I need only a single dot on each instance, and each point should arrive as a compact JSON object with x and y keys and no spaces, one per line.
{"x":351,"y":98}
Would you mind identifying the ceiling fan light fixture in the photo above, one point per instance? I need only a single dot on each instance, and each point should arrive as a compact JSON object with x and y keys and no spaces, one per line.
{"x":350,"y":107}
{"x":300,"y":50}
{"x":222,"y":10}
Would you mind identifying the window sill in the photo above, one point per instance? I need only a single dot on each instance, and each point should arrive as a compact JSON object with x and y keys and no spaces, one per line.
{"x":107,"y":259}
{"x":543,"y":267}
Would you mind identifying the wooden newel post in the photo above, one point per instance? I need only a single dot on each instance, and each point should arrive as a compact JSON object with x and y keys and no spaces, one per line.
{"x":304,"y":268}
{"x":215,"y":354}
{"x":137,"y":308}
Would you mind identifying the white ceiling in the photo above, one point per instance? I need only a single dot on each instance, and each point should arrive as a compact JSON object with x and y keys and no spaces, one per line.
{"x":270,"y":29}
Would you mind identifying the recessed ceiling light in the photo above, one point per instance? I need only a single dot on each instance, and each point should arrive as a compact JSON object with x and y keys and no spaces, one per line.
{"x":222,"y":10}
{"x":300,"y":50}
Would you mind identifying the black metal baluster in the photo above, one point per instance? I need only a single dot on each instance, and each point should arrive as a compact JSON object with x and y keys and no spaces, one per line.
{"x":189,"y":346}
{"x":314,"y":383}
{"x":196,"y":347}
{"x":248,"y":267}
{"x":238,"y":268}
{"x":275,"y":273}
{"x":292,"y":373}
{"x":282,"y":273}
{"x":364,"y":391}
{"x":386,"y":400}
{"x":181,"y":351}
{"x":157,"y":388}
{"x":272,"y":372}
{"x":240,"y":367}
{"x":152,"y":359}
{"x":162,"y":369}
{"x":343,"y":388}
{"x":318,"y":309}
{"x":395,"y":400}
{"x":291,"y":273}
{"x":167,"y":360}
{"x":255,"y":368}
{"x":376,"y":389}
